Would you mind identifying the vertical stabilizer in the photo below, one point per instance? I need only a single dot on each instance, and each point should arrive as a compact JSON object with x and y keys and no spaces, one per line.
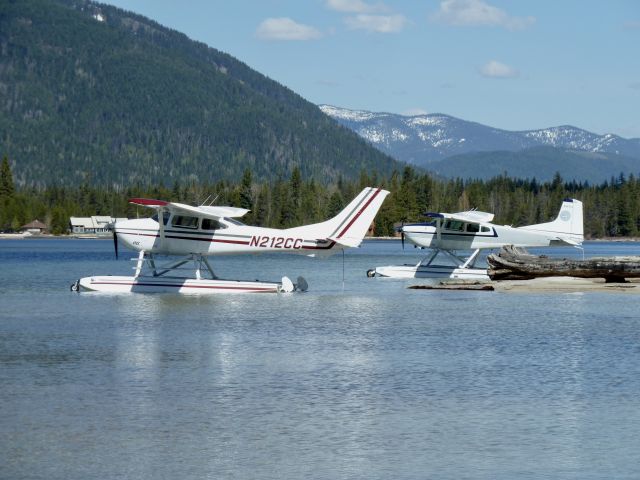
{"x":349,"y":227}
{"x":568,"y":225}
{"x":354,"y":221}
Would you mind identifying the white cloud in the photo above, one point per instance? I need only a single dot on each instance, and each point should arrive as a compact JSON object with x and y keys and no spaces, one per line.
{"x":355,"y":6}
{"x":286,"y":29}
{"x":377,"y":23}
{"x":469,"y":13}
{"x":495,"y":69}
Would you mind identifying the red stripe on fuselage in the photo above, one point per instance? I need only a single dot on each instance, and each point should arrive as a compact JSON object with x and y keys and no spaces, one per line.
{"x":217,"y":240}
{"x":180,"y":285}
{"x":357,"y":215}
{"x":134,"y":233}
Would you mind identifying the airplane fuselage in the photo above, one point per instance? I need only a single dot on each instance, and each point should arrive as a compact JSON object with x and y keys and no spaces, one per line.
{"x":488,"y":236}
{"x":227,"y":239}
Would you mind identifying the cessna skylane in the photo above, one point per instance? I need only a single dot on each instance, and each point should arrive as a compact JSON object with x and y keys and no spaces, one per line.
{"x":471,"y":230}
{"x":194,"y":233}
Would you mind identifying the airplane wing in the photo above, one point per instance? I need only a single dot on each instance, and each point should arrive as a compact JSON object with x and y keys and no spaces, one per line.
{"x":148,"y":202}
{"x":232,"y":212}
{"x":203,"y":211}
{"x":473,"y":216}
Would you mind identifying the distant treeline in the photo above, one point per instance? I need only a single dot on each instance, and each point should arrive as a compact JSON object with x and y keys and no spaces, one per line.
{"x":612,"y":209}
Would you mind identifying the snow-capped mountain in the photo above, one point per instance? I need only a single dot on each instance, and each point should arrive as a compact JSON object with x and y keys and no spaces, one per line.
{"x":424,"y":139}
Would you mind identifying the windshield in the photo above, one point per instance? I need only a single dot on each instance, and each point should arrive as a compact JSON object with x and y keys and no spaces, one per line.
{"x":165,"y":217}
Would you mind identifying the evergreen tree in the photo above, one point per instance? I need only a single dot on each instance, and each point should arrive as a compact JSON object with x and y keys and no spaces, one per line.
{"x":311,"y":204}
{"x":175,"y":192}
{"x":406,"y":198}
{"x":336,"y":204}
{"x":295,"y":194}
{"x":246,"y":195}
{"x":7,"y":188}
{"x":261,"y":216}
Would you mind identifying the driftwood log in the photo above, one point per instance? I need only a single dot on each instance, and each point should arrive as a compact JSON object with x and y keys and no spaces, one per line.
{"x":454,"y":286}
{"x":513,"y":263}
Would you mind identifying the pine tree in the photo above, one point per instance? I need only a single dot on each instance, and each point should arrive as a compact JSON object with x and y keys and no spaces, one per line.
{"x":7,"y":188}
{"x":336,"y":204}
{"x":295,"y":194}
{"x":261,"y":217}
{"x":246,"y":195}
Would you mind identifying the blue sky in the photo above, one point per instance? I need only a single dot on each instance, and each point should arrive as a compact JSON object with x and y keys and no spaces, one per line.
{"x":513,"y":65}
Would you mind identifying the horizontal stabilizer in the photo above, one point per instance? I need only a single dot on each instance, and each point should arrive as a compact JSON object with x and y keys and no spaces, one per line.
{"x":347,"y":241}
{"x":568,"y":241}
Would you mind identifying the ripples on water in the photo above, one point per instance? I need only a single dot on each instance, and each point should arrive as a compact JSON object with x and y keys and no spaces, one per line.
{"x":367,"y":381}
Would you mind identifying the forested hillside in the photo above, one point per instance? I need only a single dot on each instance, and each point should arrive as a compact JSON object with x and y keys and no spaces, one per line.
{"x":611,"y":209}
{"x":96,"y":95}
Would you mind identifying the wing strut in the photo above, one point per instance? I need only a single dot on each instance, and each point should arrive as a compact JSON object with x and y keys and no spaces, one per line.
{"x":161,"y":211}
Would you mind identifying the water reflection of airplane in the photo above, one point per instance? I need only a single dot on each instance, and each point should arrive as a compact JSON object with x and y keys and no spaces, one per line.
{"x":195,"y":233}
{"x":448,"y":232}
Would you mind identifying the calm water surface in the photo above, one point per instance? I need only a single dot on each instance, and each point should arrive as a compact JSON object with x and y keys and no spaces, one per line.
{"x":356,"y":379}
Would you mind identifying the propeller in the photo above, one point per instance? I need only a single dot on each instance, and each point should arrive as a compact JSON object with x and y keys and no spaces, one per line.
{"x":115,"y":243}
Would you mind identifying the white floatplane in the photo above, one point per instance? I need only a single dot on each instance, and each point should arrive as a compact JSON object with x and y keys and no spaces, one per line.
{"x":194,"y":233}
{"x":447,"y":233}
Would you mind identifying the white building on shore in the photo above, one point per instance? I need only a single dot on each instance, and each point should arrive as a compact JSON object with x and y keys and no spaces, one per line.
{"x":95,"y":225}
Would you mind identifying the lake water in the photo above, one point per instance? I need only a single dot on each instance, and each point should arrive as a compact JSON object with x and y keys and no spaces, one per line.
{"x":361,"y":379}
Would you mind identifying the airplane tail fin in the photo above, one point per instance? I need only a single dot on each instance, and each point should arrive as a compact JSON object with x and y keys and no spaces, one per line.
{"x":349,"y":227}
{"x":568,"y":225}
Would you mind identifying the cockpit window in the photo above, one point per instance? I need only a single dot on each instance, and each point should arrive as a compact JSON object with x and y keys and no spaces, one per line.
{"x":454,"y":225}
{"x":165,"y":217}
{"x":473,"y":227}
{"x":485,"y":229}
{"x":182,"y":221}
{"x":211,"y":224}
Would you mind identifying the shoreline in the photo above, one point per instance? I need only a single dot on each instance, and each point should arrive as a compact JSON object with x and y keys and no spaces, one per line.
{"x":566,"y":285}
{"x":603,"y":239}
{"x":53,"y":237}
{"x":544,"y":285}
{"x":91,"y":236}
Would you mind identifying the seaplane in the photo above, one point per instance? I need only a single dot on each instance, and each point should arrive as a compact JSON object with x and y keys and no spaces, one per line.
{"x":188,"y":235}
{"x":446,"y":233}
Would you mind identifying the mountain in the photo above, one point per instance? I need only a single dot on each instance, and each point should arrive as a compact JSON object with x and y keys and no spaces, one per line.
{"x":91,"y":93}
{"x":541,"y":163}
{"x":427,"y":140}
